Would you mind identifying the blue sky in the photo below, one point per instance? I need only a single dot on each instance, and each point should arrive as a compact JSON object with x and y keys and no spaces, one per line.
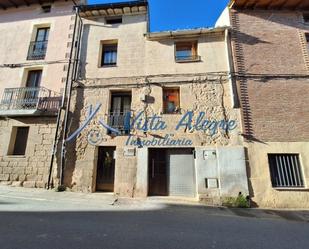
{"x":180,"y":14}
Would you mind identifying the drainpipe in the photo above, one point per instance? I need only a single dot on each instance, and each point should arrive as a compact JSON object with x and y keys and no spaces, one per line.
{"x":54,"y":148}
{"x":68,"y":92}
{"x":63,"y":108}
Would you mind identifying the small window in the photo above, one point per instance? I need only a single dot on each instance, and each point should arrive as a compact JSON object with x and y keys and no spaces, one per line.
{"x":109,"y":55}
{"x":307,"y":39}
{"x":19,"y":140}
{"x":114,"y":20}
{"x":46,"y":8}
{"x":171,"y":100}
{"x":285,"y":171}
{"x":186,"y":51}
{"x":306,"y":17}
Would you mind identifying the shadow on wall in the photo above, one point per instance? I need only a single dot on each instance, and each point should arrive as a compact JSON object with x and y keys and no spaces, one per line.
{"x":250,"y":187}
{"x":290,"y":18}
{"x":83,"y":55}
{"x":71,"y":146}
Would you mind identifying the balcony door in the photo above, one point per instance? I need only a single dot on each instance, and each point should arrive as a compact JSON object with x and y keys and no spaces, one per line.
{"x":34,"y":78}
{"x":120,"y":110}
{"x":31,"y":92}
{"x":38,"y":47}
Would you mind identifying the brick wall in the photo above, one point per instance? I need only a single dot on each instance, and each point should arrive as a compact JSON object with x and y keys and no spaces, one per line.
{"x":270,"y":51}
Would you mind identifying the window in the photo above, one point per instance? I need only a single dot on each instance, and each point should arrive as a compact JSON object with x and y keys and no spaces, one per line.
{"x":307,"y":39}
{"x":171,"y":100}
{"x":34,"y":78}
{"x":285,"y":171}
{"x":37,"y":48}
{"x":19,"y":140}
{"x":186,"y":52}
{"x":114,"y":20}
{"x":120,"y":112}
{"x":306,"y":17}
{"x":109,"y":55}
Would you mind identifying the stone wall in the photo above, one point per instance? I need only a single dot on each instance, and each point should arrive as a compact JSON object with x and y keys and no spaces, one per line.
{"x":32,"y":169}
{"x":210,"y":94}
{"x":18,"y":28}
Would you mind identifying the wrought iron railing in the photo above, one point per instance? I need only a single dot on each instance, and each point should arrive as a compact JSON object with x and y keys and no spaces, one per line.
{"x":120,"y":121}
{"x":181,"y":58}
{"x":37,"y":50}
{"x":30,"y":98}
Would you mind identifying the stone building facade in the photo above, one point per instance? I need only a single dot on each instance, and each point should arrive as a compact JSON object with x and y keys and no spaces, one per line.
{"x":270,"y":51}
{"x":34,"y":51}
{"x":164,"y":119}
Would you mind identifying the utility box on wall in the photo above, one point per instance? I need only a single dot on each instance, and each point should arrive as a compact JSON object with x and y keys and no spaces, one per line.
{"x":129,"y":152}
{"x":221,"y":172}
{"x":210,"y":154}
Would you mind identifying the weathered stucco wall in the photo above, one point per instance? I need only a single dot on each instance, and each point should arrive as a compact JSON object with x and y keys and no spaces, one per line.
{"x":264,"y":195}
{"x":138,"y":56}
{"x":17,"y":28}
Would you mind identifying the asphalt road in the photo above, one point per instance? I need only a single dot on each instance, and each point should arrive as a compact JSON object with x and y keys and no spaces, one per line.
{"x":67,"y":221}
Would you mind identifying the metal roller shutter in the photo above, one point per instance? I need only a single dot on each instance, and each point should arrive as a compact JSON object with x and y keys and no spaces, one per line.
{"x":181,"y":173}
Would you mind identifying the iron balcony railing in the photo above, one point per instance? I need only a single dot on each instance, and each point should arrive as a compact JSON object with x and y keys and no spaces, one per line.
{"x":30,"y":98}
{"x":120,"y":121}
{"x":186,"y":58}
{"x":37,"y":50}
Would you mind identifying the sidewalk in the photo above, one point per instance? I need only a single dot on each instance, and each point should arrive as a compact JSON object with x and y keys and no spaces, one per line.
{"x":20,"y":199}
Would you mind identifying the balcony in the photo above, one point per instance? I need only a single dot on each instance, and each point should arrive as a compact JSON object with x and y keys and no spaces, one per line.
{"x":37,"y":50}
{"x":187,"y":58}
{"x":29,"y":101}
{"x":120,"y":121}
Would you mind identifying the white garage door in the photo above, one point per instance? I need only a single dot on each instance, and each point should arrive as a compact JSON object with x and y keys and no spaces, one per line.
{"x":181,"y":173}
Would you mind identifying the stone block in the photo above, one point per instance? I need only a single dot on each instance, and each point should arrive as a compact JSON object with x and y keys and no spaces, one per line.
{"x":29,"y":170}
{"x":22,"y":164}
{"x":13,"y":164}
{"x":47,"y":142}
{"x":22,"y":178}
{"x":29,"y":184}
{"x":14,"y":177}
{"x":7,"y":170}
{"x":40,"y":153}
{"x":44,"y":130}
{"x":40,"y":184}
{"x":16,"y":183}
{"x":18,"y":170}
{"x":5,"y":183}
{"x":31,"y":177}
{"x":4,"y":164}
{"x":42,"y":170}
{"x":4,"y":177}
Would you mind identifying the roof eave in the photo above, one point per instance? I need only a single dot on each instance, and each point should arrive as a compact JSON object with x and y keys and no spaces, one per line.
{"x":153,"y":36}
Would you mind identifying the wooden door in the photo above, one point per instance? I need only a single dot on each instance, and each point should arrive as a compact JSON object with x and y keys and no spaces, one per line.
{"x":157,"y":172}
{"x":106,"y":169}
